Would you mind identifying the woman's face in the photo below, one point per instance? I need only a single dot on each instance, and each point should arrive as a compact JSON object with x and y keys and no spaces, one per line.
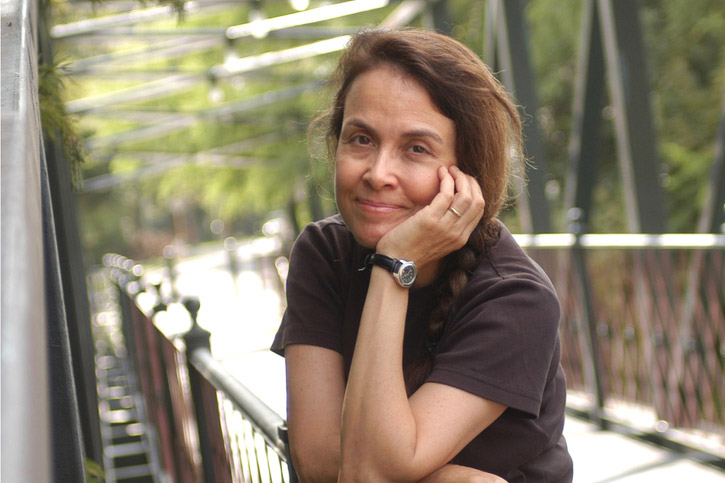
{"x":393,"y":141}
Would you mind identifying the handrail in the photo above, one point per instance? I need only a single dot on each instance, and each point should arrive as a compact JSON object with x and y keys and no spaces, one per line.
{"x":26,"y":423}
{"x":622,"y":240}
{"x":267,"y":421}
{"x":640,"y":319}
{"x":206,"y":377}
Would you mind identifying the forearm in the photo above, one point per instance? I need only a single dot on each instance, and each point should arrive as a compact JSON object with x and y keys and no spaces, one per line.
{"x":378,"y":428}
{"x":451,"y":473}
{"x":315,"y":389}
{"x":318,"y":464}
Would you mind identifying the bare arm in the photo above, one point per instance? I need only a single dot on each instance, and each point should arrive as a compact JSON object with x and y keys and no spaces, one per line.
{"x":315,"y":388}
{"x":385,"y":435}
{"x":461,"y":474}
{"x":315,"y":392}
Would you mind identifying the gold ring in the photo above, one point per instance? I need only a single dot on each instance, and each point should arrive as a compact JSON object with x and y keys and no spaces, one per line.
{"x":454,"y":211}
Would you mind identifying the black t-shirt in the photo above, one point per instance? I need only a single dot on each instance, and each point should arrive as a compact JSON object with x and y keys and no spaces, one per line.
{"x":501,"y":342}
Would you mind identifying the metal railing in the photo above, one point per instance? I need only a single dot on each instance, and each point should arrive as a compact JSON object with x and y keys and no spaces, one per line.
{"x":643,"y":331}
{"x":643,"y":347}
{"x":208,"y":425}
{"x":26,"y":422}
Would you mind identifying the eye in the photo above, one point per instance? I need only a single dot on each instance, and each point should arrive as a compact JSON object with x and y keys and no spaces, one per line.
{"x":418,"y":149}
{"x":361,"y":139}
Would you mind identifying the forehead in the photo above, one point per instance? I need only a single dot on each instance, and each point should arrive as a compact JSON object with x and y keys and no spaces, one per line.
{"x":389,"y":92}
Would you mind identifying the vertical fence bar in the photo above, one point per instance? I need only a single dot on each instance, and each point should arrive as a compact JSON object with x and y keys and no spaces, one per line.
{"x":592,"y":357}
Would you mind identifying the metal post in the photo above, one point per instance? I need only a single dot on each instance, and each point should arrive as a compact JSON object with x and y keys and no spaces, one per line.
{"x":68,"y":443}
{"x":712,"y":219}
{"x":198,"y":338}
{"x":75,"y":313}
{"x":441,"y":19}
{"x":518,"y":76}
{"x":490,"y":33}
{"x":637,"y":155}
{"x":170,"y":258}
{"x":230,"y":248}
{"x":590,"y":345}
{"x":589,"y":90}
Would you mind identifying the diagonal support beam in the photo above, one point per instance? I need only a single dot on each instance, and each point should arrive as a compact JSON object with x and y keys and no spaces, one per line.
{"x":178,"y":122}
{"x":518,"y":76}
{"x":712,"y":219}
{"x":638,"y":159}
{"x":585,"y":137}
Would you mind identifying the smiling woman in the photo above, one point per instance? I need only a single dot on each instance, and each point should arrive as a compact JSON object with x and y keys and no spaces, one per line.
{"x":393,"y":141}
{"x":448,"y":370}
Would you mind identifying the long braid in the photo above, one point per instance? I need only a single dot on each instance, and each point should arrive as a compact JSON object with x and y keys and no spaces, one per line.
{"x":457,"y":268}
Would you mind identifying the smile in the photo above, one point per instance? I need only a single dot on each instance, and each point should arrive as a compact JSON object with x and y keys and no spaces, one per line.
{"x":377,"y":206}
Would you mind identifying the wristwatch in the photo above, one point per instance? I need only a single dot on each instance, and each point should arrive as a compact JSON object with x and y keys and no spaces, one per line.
{"x":404,"y":272}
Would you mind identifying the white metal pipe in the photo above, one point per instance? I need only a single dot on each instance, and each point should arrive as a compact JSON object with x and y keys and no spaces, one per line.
{"x":25,"y":414}
{"x":623,"y":240}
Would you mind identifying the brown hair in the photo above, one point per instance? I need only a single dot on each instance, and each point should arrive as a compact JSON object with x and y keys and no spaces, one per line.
{"x":488,"y":136}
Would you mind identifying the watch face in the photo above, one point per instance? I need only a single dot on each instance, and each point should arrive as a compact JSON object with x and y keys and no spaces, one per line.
{"x":407,"y":275}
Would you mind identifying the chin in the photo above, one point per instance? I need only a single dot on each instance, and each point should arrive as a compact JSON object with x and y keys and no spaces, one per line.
{"x":367,"y":239}
{"x":367,"y":242}
{"x":366,"y":233}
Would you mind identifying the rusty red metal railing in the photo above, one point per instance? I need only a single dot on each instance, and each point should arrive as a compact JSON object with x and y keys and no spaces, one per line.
{"x":207,"y":425}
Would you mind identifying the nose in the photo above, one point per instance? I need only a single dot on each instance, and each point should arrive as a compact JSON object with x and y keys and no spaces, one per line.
{"x":382,"y":170}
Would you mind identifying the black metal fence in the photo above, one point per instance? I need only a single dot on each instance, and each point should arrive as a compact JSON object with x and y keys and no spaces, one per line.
{"x":208,"y":426}
{"x":643,"y":347}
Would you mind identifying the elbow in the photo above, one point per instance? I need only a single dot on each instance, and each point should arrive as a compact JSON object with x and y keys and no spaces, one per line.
{"x":312,"y":466}
{"x":358,"y":468}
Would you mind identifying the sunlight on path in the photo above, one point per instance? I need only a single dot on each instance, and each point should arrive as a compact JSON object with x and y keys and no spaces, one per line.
{"x":242,"y":319}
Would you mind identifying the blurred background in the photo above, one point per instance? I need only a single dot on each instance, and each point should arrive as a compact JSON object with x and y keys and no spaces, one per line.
{"x":189,"y":113}
{"x":156,"y":169}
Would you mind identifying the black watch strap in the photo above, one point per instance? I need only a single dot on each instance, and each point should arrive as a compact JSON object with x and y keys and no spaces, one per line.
{"x":388,"y":263}
{"x":403,"y":271}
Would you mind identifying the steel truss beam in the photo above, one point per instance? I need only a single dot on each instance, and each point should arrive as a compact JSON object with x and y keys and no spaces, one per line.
{"x":506,"y":29}
{"x":403,"y":14}
{"x":586,"y":114}
{"x":713,"y":214}
{"x":611,"y":37}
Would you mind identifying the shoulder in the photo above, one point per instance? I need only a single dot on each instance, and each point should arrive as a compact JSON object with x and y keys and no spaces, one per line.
{"x":329,"y":237}
{"x":508,"y":277}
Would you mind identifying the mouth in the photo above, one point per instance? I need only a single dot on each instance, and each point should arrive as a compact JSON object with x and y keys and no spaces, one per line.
{"x":374,"y":206}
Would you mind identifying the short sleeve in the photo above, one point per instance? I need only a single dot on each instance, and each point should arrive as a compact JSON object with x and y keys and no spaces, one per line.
{"x":501,"y":341}
{"x":315,"y":289}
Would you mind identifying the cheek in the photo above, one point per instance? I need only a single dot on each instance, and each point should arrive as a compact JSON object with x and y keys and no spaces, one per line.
{"x":342,"y":181}
{"x":422,"y":189}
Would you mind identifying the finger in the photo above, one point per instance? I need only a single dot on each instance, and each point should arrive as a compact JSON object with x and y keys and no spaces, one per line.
{"x":440,"y":203}
{"x":467,"y":200}
{"x":467,"y":184}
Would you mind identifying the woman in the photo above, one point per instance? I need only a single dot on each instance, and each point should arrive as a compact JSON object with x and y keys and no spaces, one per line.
{"x":420,"y":341}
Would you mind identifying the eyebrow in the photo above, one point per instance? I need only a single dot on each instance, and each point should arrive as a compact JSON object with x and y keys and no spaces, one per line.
{"x":415,"y":133}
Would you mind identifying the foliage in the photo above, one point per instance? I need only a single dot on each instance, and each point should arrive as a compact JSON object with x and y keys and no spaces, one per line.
{"x":233,"y":156}
{"x":57,"y":125}
{"x":94,"y":472}
{"x":683,"y":44}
